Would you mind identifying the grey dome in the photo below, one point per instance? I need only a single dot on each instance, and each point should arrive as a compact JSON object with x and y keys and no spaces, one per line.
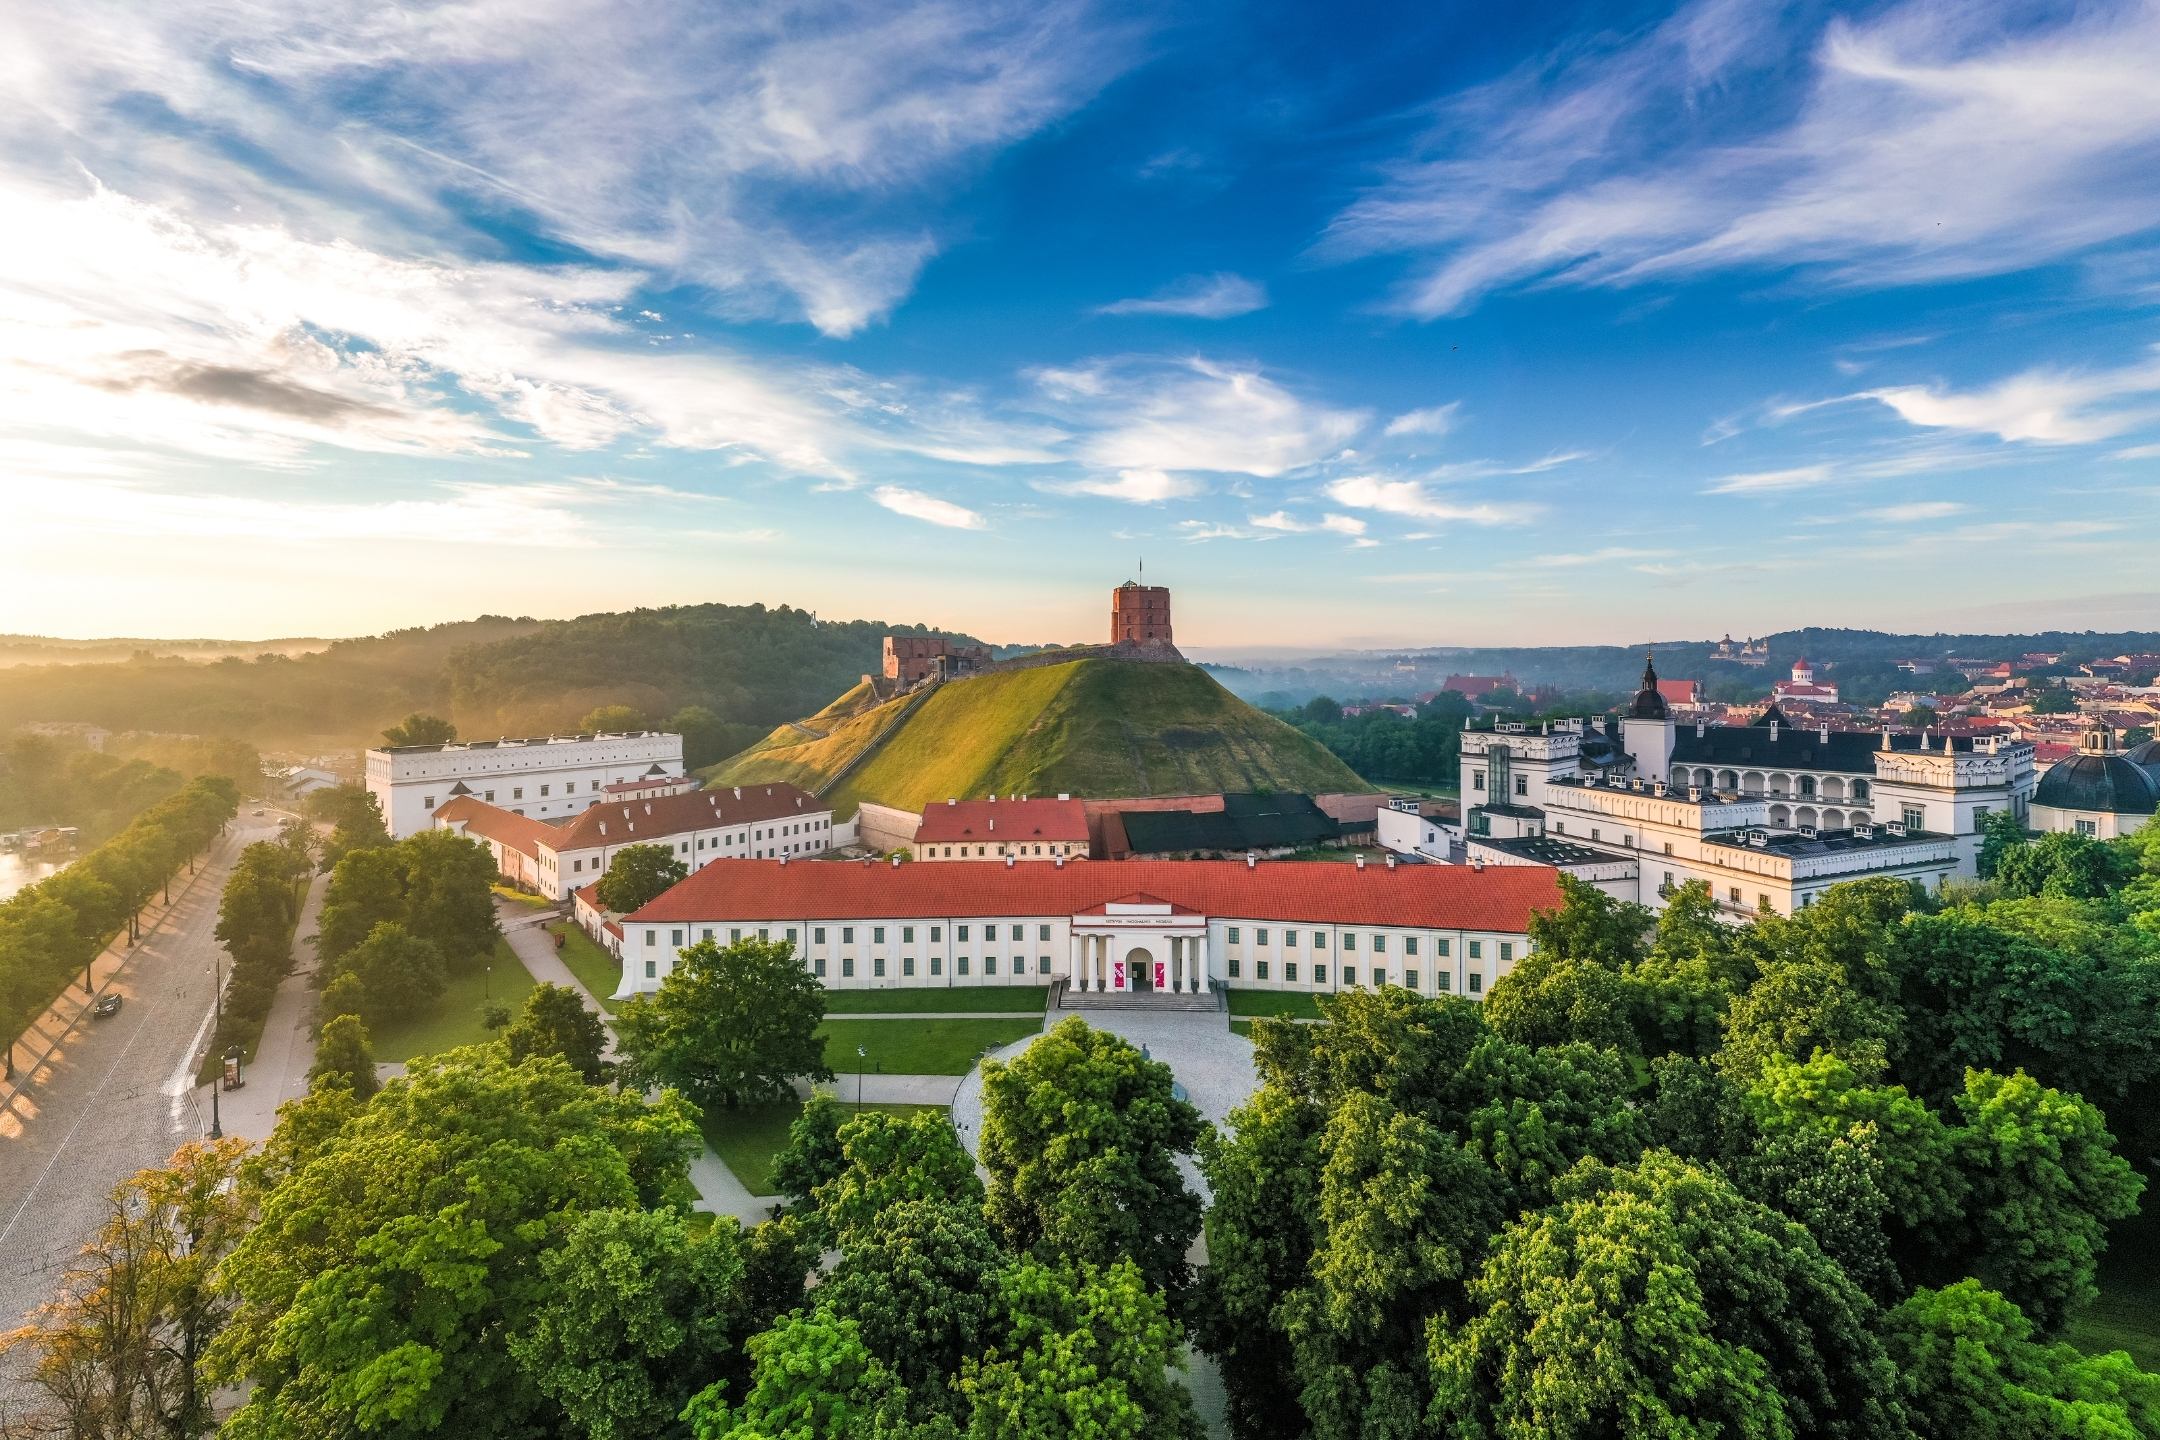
{"x":2146,"y":756}
{"x":2107,"y":783}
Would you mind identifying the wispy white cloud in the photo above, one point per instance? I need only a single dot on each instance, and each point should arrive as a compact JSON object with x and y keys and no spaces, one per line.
{"x":1914,"y":511}
{"x":1412,"y":498}
{"x":928,"y":508}
{"x":1608,"y":555}
{"x":1284,"y":522}
{"x":1221,"y":296}
{"x":2137,"y":452}
{"x":1193,"y":414}
{"x":789,"y":156}
{"x":1432,"y":420}
{"x":2046,"y":407}
{"x":1757,"y":482}
{"x":1926,"y":142}
{"x":1138,"y":487}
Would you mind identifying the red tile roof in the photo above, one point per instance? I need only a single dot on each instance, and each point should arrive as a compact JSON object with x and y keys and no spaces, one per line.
{"x":1679,"y":692}
{"x":630,"y":821}
{"x":986,"y":820}
{"x":1438,"y":897}
{"x":521,"y":833}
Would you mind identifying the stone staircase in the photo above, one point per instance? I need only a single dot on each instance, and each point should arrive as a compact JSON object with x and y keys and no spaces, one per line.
{"x":1071,"y":999}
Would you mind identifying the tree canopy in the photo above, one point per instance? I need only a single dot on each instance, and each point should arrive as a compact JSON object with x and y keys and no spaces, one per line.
{"x":640,"y":874}
{"x":729,"y":1025}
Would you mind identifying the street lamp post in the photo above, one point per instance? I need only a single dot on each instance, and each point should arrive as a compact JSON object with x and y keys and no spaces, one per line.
{"x":217,"y":1083}
{"x":860,"y":1054}
{"x":487,"y":981}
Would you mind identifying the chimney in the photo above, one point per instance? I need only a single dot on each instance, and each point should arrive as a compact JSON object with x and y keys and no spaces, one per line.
{"x":896,"y":860}
{"x":1252,"y":860}
{"x":1059,"y":862}
{"x":783,"y":860}
{"x":603,"y":829}
{"x":1361,"y":862}
{"x":648,"y":807}
{"x":993,"y":822}
{"x":1391,"y":860}
{"x":1064,"y":795}
{"x":1477,"y":863}
{"x":1826,"y":734}
{"x":738,"y":792}
{"x":1773,"y":732}
{"x":1700,"y":727}
{"x":1011,"y":860}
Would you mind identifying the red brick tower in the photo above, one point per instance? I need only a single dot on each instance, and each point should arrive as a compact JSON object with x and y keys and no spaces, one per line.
{"x":1140,"y":614}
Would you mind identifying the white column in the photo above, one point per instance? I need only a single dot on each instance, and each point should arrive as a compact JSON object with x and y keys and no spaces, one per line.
{"x":1200,"y":962}
{"x":1075,"y":948}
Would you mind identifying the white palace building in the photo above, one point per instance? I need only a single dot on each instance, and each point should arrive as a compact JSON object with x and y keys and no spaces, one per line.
{"x":1168,"y":927}
{"x":548,"y":777}
{"x":1768,"y":815}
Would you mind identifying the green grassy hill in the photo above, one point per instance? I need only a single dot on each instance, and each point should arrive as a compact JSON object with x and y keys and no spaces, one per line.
{"x":1093,"y":728}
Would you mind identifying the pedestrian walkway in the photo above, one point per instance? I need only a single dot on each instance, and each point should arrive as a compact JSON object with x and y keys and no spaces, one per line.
{"x":875,"y":1089}
{"x":939,"y":1015}
{"x":286,"y":1051}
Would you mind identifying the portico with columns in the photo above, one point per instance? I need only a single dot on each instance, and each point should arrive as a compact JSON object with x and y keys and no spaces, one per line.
{"x":1140,"y":943}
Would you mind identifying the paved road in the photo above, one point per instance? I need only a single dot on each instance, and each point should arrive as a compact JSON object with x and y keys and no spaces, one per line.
{"x":119,"y":1094}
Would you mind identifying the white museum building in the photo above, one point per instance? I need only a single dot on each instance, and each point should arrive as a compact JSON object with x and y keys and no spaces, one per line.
{"x":547,"y":777}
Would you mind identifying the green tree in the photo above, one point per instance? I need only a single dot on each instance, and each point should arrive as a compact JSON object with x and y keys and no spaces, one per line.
{"x":448,"y":893}
{"x":398,"y":1246}
{"x":419,"y":729}
{"x":638,"y":875}
{"x":729,"y":1025}
{"x":555,"y":1021}
{"x":399,"y":973}
{"x":637,"y":1314}
{"x":888,"y":1159}
{"x":1592,"y":925}
{"x":705,"y":736}
{"x":356,"y":818}
{"x":1080,"y":1136}
{"x":812,"y":1155}
{"x":367,"y":889}
{"x":812,"y":1378}
{"x":920,"y":1284}
{"x":2002,"y":832}
{"x":344,"y":1056}
{"x":2074,"y":866}
{"x":1970,"y":1368}
{"x":1657,"y":1300}
{"x":1822,"y":982}
{"x":1083,"y":1351}
{"x":613,"y":718}
{"x":2046,"y":1183}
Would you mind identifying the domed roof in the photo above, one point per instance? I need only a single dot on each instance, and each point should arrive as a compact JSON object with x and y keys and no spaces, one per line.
{"x":1648,"y":703}
{"x":2146,"y":756}
{"x":2099,"y":781}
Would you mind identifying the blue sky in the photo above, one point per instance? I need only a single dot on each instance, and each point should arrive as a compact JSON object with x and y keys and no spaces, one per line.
{"x":1362,"y":324}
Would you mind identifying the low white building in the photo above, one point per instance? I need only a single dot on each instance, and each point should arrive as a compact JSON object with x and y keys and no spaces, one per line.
{"x":1169,"y":926}
{"x":549,"y":777}
{"x":700,"y":826}
{"x":1017,"y":827}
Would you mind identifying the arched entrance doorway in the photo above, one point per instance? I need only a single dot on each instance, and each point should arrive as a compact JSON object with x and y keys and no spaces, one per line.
{"x":1140,"y":966}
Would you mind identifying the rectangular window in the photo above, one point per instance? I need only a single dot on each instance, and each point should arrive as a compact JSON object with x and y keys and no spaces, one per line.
{"x":2088,"y":828}
{"x":960,"y":966}
{"x":877,"y":967}
{"x":1980,"y":814}
{"x":1349,"y":942}
{"x":1260,"y":936}
{"x":1507,"y":951}
{"x":877,"y":934}
{"x":1443,"y":982}
{"x":1260,"y":969}
{"x":543,"y":789}
{"x":937,"y":964}
{"x":1349,"y":974}
{"x":652,"y":937}
{"x":1409,"y":945}
{"x":489,"y":797}
{"x":570,"y":789}
{"x":1319,"y":940}
{"x":1289,"y":971}
{"x":1379,"y":944}
{"x":989,"y":964}
{"x":1915,"y":818}
{"x":764,"y":932}
{"x":960,"y":933}
{"x":1289,"y":938}
{"x":1733,"y":892}
{"x":428,"y":801}
{"x":1477,"y":779}
{"x":847,"y":967}
{"x":518,"y":794}
{"x":791,"y":934}
{"x":651,"y":970}
{"x":1762,"y":900}
{"x":1410,"y":978}
{"x":1042,"y":965}
{"x":847,"y":934}
{"x":1477,"y":949}
{"x":675,"y":938}
{"x":937,"y":933}
{"x":1441,"y":948}
{"x":1477,"y":983}
{"x":907,"y":965}
{"x":817,"y":935}
{"x":706,"y":934}
{"x":907,"y":934}
{"x":1234,"y":967}
{"x":819,"y":966}
{"x":734,"y":934}
{"x":1233,"y":934}
{"x":1379,"y":978}
{"x":1522,"y":785}
{"x":1042,"y":932}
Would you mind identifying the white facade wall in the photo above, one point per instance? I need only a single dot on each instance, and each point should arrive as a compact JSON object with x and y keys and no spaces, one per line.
{"x":801,"y":834}
{"x":2098,"y":824}
{"x":1408,"y":833}
{"x":547,"y":778}
{"x":1313,"y":957}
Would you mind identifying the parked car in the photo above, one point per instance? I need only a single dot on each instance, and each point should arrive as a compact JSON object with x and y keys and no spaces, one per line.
{"x":106,"y":1007}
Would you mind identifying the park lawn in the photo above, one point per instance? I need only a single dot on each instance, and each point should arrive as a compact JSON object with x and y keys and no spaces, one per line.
{"x":916,"y":1047}
{"x":973,"y":998}
{"x":2127,"y":1314}
{"x":597,"y":970}
{"x":748,"y":1137}
{"x":454,"y":1017}
{"x":523,"y":897}
{"x":1303,"y":1004}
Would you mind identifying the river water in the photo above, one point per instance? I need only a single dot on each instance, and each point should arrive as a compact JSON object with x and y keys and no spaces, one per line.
{"x":18,"y":870}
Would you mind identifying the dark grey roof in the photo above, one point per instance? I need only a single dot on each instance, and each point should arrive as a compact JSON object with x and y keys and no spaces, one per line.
{"x":1545,"y":850}
{"x":1246,"y":822}
{"x":1648,"y":703}
{"x":1795,"y":747}
{"x":2146,"y":756}
{"x":1514,"y":812}
{"x":2109,"y":784}
{"x":1827,"y":842}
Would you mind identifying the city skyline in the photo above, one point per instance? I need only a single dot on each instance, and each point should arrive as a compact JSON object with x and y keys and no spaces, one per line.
{"x":1365,"y":330}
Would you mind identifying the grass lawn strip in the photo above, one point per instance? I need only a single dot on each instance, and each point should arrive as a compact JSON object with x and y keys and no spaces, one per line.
{"x":927,"y":1047}
{"x":1301,"y":1004}
{"x":1031,"y":998}
{"x":453,"y":1018}
{"x":595,"y":969}
{"x":747,"y":1138}
{"x":2127,"y":1314}
{"x":523,"y":897}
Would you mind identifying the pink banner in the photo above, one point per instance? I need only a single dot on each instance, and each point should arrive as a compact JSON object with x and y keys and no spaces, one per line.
{"x":1117,"y":976}
{"x":1162,"y":975}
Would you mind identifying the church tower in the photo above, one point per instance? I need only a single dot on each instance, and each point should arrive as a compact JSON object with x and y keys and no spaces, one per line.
{"x":1647,"y":728}
{"x":1140,"y":615}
